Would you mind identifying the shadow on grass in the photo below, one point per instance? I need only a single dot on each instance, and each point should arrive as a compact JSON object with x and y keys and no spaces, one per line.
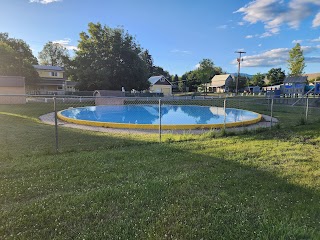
{"x":169,"y":191}
{"x":25,"y":137}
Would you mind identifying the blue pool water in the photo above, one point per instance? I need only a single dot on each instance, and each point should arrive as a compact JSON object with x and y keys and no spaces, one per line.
{"x":149,"y":114}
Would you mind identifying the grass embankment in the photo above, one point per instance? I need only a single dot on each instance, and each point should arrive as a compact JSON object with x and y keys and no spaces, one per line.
{"x":253,"y":186}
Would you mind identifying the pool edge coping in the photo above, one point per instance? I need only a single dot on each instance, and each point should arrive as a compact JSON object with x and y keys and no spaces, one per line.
{"x":163,"y":127}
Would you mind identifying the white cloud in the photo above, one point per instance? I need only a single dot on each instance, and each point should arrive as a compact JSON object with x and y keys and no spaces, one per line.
{"x":240,"y":23}
{"x":183,"y":52}
{"x":315,"y":40}
{"x":260,"y":45}
{"x":296,"y":41}
{"x":66,"y":43}
{"x":275,"y":13}
{"x":222,"y":27}
{"x":197,"y":66}
{"x":278,"y":56}
{"x":249,"y":36}
{"x":316,"y":21}
{"x":44,"y":1}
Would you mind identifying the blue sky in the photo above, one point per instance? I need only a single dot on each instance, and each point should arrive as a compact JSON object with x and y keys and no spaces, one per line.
{"x":179,"y":33}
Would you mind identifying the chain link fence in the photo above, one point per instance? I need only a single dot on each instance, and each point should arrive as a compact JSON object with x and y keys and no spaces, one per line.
{"x":138,"y":120}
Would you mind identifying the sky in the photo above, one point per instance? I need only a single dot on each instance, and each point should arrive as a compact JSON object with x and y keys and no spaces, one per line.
{"x":179,"y":33}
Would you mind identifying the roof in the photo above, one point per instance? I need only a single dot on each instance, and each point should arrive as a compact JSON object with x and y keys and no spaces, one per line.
{"x":300,"y":79}
{"x":50,"y":81}
{"x":12,"y":81}
{"x":71,"y":83}
{"x":49,"y":68}
{"x":219,"y":80}
{"x":312,"y":75}
{"x":160,"y":80}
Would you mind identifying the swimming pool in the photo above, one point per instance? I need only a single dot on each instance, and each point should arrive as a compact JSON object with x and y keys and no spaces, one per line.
{"x":147,"y":116}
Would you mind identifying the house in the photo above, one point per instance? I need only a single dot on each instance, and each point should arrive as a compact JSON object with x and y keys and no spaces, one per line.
{"x":220,"y":83}
{"x":295,"y":85}
{"x":253,"y":89}
{"x":273,"y":88}
{"x":159,"y":84}
{"x":12,"y":85}
{"x":52,"y":80}
{"x":70,"y":86}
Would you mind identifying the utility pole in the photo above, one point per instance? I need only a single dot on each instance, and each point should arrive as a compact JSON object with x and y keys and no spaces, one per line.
{"x":239,"y":59}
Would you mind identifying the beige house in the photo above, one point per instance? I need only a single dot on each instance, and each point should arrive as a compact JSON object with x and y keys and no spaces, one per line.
{"x":12,"y":85}
{"x":52,"y":81}
{"x":159,"y":84}
{"x":220,"y":83}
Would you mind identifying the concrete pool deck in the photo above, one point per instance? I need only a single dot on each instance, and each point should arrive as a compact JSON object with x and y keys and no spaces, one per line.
{"x":49,"y":119}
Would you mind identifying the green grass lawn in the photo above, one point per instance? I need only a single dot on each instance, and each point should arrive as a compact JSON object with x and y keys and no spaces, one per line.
{"x":263,"y":185}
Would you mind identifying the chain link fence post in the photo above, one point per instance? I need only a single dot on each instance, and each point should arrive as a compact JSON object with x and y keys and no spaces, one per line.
{"x":225,"y":114}
{"x":271,"y":113}
{"x":307,"y":107}
{"x":160,"y":120}
{"x":56,"y":123}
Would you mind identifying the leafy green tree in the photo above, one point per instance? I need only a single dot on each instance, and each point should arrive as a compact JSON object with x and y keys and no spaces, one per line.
{"x":54,"y":54}
{"x":296,"y":61}
{"x":242,"y":84}
{"x":276,"y":76}
{"x":206,"y":71}
{"x":157,"y":71}
{"x":147,"y":58}
{"x":16,"y":59}
{"x":109,"y":58}
{"x":192,"y":81}
{"x":258,"y":80}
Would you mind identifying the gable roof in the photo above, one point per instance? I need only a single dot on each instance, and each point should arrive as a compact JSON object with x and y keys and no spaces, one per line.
{"x":160,"y":80}
{"x":219,"y":80}
{"x":50,"y":68}
{"x":299,"y":79}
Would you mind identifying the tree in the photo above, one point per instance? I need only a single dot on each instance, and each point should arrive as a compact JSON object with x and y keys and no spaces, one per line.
{"x":242,"y":83}
{"x":157,"y":71}
{"x":110,"y":59}
{"x":296,"y":61}
{"x":16,"y":59}
{"x":276,"y":76}
{"x":147,"y":58}
{"x":54,"y":54}
{"x":258,"y":79}
{"x":192,"y":82}
{"x":206,"y":71}
{"x":175,"y":78}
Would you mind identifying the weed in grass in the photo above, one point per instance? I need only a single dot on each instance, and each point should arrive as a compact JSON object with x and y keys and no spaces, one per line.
{"x":302,"y":121}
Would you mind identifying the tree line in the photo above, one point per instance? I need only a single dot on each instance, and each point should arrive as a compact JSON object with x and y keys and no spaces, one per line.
{"x":111,"y":58}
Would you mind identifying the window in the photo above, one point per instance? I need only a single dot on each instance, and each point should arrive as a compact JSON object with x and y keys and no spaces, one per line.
{"x":54,"y":74}
{"x":60,"y":88}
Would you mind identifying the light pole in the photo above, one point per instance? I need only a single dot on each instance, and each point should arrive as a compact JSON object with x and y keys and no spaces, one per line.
{"x":239,"y":59}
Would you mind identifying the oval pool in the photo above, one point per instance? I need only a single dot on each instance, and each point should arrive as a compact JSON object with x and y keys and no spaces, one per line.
{"x":147,"y":116}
